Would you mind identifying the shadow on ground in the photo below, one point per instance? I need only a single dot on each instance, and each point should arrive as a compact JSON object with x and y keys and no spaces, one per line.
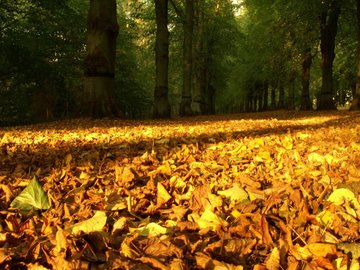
{"x":49,"y":157}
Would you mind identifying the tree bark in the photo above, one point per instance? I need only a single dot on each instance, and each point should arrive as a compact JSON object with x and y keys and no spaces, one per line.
{"x":281,"y":104}
{"x":161,"y":102}
{"x":265,"y":93}
{"x":356,"y":96}
{"x":328,"y":27}
{"x":99,"y":82}
{"x":198,"y":62}
{"x":273,"y":97}
{"x":188,"y":26}
{"x":305,"y":80}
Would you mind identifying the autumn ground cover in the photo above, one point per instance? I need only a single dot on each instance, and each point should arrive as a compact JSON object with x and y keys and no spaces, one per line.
{"x":273,"y":190}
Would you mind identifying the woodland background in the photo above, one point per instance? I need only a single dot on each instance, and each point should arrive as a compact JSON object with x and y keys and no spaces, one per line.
{"x":246,"y":56}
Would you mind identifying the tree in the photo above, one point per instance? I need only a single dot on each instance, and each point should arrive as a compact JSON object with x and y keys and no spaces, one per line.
{"x":305,"y":80}
{"x":99,"y":83}
{"x":161,"y":102}
{"x":185,"y":106}
{"x":42,"y":63}
{"x":328,"y":30}
{"x":356,"y":96}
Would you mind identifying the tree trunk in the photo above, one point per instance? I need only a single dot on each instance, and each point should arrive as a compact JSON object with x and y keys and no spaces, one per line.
{"x":305,"y":80}
{"x":291,"y":100}
{"x":161,"y":102}
{"x":273,"y":98}
{"x":99,"y":82}
{"x":281,"y":104}
{"x":266,"y":93}
{"x":185,"y":106}
{"x":356,"y":97}
{"x":198,"y":62}
{"x":328,"y":27}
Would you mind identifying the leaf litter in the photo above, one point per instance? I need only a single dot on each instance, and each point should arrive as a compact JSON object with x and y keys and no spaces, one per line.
{"x":272,"y":190}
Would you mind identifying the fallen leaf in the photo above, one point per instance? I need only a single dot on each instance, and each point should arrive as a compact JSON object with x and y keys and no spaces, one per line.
{"x":273,"y":261}
{"x":235,"y":194}
{"x":32,"y":197}
{"x":209,"y":220}
{"x":162,"y":195}
{"x":342,"y":195}
{"x":96,"y":223}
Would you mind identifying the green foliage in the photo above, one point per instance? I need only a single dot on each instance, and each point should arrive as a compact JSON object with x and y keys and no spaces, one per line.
{"x":44,"y":45}
{"x":133,"y":90}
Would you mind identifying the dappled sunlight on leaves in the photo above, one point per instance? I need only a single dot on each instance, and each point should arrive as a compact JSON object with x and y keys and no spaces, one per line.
{"x":219,"y":192}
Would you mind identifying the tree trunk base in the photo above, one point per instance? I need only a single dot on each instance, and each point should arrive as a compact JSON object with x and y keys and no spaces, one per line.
{"x":326,"y":102}
{"x":98,"y":97}
{"x":185,"y":107}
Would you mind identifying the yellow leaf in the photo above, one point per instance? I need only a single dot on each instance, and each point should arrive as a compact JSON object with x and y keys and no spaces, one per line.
{"x":152,"y":229}
{"x":235,"y":194}
{"x":123,"y":174}
{"x":164,"y":169}
{"x":273,"y":261}
{"x":325,"y":180}
{"x":302,"y":136}
{"x":316,"y":158}
{"x":115,"y":202}
{"x":209,"y":220}
{"x":7,"y":191}
{"x":325,"y":217}
{"x":127,"y":251}
{"x":315,"y":173}
{"x":96,"y":223}
{"x":61,"y":243}
{"x":119,"y":224}
{"x":256,"y":143}
{"x":212,"y":201}
{"x":162,"y":195}
{"x":255,"y":195}
{"x":84,"y":175}
{"x":343,"y":195}
{"x":287,"y":143}
{"x":235,"y":213}
{"x":315,"y":250}
{"x":175,"y":180}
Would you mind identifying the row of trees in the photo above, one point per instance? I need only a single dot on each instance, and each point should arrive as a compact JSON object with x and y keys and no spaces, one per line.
{"x":166,"y":58}
{"x":305,"y":53}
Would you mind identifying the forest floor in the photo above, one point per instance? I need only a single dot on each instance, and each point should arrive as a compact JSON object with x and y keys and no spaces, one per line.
{"x":277,"y":190}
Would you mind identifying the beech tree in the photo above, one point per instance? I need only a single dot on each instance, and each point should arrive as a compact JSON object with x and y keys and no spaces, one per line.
{"x":187,"y":19}
{"x":99,"y":82}
{"x":328,"y":29}
{"x":356,"y":96}
{"x":161,"y":102}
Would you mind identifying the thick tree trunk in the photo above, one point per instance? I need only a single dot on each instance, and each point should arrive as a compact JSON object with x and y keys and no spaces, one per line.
{"x":328,"y":27}
{"x":305,"y":80}
{"x":161,"y":102}
{"x":185,"y":106}
{"x":99,"y":82}
{"x":356,"y":97}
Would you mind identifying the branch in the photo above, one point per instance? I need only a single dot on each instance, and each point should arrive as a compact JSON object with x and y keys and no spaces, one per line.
{"x":177,"y":9}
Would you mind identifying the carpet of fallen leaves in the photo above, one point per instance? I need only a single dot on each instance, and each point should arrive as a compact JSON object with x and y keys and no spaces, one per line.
{"x":273,"y":190}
